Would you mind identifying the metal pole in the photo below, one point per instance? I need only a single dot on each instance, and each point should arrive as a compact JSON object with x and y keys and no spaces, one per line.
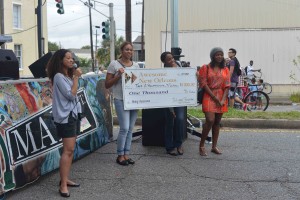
{"x":174,"y":23}
{"x":91,"y":36}
{"x":112,"y":31}
{"x":39,"y":27}
{"x":142,"y":45}
{"x":176,"y":49}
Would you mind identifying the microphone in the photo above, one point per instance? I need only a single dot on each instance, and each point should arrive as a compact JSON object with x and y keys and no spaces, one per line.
{"x":75,"y":65}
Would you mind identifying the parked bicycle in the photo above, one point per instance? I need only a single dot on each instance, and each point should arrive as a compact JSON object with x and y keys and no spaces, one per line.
{"x":256,"y":100}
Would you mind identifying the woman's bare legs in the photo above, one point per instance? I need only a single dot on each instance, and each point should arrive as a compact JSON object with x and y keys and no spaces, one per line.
{"x":215,"y":133}
{"x":209,"y":121}
{"x":66,"y":162}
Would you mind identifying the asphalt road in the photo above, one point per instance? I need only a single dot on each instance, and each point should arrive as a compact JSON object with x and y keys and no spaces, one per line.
{"x":255,"y":164}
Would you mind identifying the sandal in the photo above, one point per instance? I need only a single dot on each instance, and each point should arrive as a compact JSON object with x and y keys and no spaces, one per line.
{"x":216,"y":151}
{"x":172,"y":152}
{"x":202,"y":151}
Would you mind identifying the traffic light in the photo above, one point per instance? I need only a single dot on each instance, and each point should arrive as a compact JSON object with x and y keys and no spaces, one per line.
{"x":60,"y":7}
{"x":105,"y":30}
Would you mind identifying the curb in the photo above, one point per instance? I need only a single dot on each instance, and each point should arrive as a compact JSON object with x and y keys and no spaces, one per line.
{"x":261,"y":123}
{"x":246,"y":123}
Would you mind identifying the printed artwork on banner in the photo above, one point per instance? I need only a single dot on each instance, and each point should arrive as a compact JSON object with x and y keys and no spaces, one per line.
{"x":29,"y":143}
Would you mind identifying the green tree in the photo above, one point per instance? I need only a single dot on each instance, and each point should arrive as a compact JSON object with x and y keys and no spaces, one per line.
{"x":85,"y":64}
{"x":52,"y":46}
{"x":86,"y":47}
{"x":103,"y":53}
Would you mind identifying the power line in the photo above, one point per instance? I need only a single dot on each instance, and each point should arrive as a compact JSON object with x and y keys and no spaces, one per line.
{"x":70,"y":21}
{"x":22,"y":30}
{"x":131,"y":31}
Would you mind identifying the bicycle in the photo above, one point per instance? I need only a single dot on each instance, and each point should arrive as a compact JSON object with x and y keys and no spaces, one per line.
{"x":267,"y":87}
{"x":255,"y":100}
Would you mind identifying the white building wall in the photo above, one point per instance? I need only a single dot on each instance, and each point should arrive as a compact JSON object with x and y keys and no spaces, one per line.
{"x":273,"y":51}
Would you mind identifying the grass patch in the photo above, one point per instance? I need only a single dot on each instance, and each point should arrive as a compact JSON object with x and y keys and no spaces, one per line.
{"x":295,"y":97}
{"x":234,"y":113}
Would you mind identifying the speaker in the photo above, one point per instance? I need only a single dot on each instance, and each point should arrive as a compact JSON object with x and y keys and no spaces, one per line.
{"x":38,"y":68}
{"x":153,"y":125}
{"x":9,"y":65}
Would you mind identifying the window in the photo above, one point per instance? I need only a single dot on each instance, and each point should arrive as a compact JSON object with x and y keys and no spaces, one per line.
{"x":18,"y":53}
{"x":17,"y":15}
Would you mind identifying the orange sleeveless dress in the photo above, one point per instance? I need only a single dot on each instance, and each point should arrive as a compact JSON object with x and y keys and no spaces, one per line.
{"x":217,"y":82}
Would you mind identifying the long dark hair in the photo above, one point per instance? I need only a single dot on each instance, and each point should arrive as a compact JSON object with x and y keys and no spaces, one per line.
{"x":55,"y":64}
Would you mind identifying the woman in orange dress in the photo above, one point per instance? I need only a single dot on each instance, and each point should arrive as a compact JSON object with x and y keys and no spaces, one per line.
{"x":215,"y":79}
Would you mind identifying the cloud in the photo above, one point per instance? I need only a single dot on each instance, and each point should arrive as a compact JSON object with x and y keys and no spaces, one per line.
{"x":72,"y":29}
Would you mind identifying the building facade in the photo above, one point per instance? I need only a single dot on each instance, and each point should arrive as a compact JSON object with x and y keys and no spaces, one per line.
{"x":264,"y":31}
{"x":18,"y":20}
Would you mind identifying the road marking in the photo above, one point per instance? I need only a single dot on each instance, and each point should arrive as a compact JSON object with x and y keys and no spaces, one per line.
{"x":260,"y":130}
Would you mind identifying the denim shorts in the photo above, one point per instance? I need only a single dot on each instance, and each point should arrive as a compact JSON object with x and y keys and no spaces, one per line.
{"x":70,"y":129}
{"x":232,"y":90}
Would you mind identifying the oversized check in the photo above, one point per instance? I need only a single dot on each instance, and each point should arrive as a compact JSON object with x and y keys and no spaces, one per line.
{"x":158,"y":88}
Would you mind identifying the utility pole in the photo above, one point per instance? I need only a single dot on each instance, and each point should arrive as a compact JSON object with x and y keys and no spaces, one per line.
{"x":38,"y":13}
{"x":143,"y":48}
{"x":176,"y":51}
{"x":112,"y":31}
{"x":128,"y":20}
{"x":174,"y":23}
{"x":91,"y":36}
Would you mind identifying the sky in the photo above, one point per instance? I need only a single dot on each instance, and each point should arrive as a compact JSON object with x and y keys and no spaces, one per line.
{"x":72,"y":29}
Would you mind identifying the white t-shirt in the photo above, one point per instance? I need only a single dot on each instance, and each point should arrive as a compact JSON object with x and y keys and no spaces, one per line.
{"x":250,"y":72}
{"x":112,"y":69}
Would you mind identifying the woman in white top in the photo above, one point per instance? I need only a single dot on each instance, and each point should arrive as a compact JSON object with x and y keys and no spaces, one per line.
{"x":126,"y":118}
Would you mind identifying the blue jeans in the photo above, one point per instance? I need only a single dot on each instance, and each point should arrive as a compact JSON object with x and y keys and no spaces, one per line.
{"x":174,"y":128}
{"x":127,"y":120}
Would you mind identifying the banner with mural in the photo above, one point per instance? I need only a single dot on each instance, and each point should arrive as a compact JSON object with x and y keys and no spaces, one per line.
{"x":29,"y":143}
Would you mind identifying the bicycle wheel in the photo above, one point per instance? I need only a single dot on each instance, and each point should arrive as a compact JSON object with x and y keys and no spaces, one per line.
{"x":257,"y":101}
{"x":267,"y":88}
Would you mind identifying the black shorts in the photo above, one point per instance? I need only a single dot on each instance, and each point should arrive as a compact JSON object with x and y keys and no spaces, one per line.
{"x":70,"y":129}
